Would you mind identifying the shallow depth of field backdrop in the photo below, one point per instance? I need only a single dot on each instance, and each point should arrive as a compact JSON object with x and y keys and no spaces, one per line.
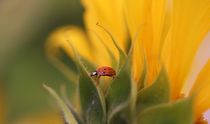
{"x":24,"y":27}
{"x":24,"y":67}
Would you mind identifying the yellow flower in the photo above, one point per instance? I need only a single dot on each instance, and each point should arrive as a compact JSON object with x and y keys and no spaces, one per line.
{"x":167,"y":32}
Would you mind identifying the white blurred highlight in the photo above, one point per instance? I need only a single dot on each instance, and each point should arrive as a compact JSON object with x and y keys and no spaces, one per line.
{"x":207,"y":116}
{"x":200,"y":60}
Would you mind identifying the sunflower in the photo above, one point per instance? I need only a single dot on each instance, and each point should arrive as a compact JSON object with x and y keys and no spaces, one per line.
{"x":153,"y":45}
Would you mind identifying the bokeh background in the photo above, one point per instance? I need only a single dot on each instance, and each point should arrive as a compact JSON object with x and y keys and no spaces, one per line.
{"x":24,"y":67}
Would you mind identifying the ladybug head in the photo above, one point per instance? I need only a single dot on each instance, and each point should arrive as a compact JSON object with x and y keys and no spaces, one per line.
{"x":94,"y":73}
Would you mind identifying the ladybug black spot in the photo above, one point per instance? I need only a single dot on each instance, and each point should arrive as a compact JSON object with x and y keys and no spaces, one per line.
{"x":104,"y":72}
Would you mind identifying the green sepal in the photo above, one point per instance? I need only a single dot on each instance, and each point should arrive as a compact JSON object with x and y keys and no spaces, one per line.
{"x":92,"y":100}
{"x":118,"y":94}
{"x":157,"y":93}
{"x":121,"y":117}
{"x":179,"y":112}
{"x":68,"y":115}
{"x":91,"y":97}
{"x":142,"y":80}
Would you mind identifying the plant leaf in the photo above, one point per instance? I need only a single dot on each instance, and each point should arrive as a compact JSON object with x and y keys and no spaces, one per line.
{"x":155,"y":94}
{"x":63,"y":64}
{"x":121,"y":118}
{"x":76,"y":110}
{"x":142,"y":80}
{"x":91,"y":98}
{"x":68,"y":116}
{"x":92,"y":101}
{"x":119,"y":92}
{"x":180,"y":112}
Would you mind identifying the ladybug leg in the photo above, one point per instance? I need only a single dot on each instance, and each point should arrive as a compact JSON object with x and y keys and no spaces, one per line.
{"x":97,"y":80}
{"x":114,"y":77}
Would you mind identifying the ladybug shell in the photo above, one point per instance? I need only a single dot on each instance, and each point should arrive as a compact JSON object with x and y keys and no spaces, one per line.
{"x":106,"y":71}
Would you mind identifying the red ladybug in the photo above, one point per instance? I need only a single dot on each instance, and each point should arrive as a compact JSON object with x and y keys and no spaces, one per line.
{"x":104,"y":71}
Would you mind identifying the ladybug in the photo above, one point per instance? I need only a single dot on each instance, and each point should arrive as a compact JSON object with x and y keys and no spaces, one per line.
{"x":104,"y":71}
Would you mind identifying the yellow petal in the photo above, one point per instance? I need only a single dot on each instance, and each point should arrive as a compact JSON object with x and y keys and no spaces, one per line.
{"x":201,"y":90}
{"x":64,"y":40}
{"x":137,"y":61}
{"x":190,"y":24}
{"x":153,"y":64}
{"x":109,"y":14}
{"x":148,"y":17}
{"x":61,"y":38}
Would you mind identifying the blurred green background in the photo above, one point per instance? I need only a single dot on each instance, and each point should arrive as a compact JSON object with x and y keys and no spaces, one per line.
{"x":24,"y":27}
